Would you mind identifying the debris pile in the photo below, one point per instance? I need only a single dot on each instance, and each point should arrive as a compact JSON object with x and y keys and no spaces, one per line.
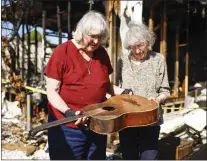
{"x":187,"y":128}
{"x":16,"y":143}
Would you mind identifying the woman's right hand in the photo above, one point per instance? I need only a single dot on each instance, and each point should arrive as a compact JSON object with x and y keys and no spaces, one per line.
{"x":82,"y":120}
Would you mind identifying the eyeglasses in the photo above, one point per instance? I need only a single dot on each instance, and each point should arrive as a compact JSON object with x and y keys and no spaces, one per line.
{"x":98,"y":37}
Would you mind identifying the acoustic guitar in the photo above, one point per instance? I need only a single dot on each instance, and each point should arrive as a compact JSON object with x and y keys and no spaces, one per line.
{"x":113,"y":115}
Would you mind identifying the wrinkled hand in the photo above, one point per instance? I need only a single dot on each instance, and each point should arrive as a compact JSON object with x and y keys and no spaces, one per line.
{"x":154,"y":99}
{"x":80,"y":121}
{"x":127,"y":91}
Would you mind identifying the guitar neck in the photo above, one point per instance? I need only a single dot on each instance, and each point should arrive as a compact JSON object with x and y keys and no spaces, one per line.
{"x":54,"y":123}
{"x":65,"y":120}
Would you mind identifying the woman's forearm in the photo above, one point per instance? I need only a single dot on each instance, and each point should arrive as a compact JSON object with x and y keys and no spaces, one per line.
{"x":53,"y":88}
{"x":56,"y":101}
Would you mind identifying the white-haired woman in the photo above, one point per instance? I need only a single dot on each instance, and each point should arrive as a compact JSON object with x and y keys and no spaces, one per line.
{"x":144,"y":72}
{"x":78,"y":75}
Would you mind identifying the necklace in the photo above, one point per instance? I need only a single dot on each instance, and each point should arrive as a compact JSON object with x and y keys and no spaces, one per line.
{"x":87,"y":60}
{"x":88,"y":66}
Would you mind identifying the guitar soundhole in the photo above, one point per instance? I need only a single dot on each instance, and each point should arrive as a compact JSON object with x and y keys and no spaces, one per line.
{"x":108,"y":108}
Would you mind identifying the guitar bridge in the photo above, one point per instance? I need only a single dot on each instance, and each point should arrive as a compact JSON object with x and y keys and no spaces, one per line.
{"x":131,"y":101}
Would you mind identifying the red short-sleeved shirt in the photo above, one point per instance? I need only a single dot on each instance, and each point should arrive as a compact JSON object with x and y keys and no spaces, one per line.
{"x":78,"y":88}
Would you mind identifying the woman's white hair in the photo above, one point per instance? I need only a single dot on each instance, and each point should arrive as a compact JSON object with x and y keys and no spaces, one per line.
{"x":92,"y":23}
{"x":138,"y":33}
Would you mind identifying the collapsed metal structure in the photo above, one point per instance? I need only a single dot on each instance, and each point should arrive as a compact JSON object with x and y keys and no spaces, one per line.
{"x":61,"y":16}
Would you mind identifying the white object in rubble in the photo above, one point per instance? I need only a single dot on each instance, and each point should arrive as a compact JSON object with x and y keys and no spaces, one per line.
{"x":189,"y":108}
{"x":3,"y":104}
{"x":3,"y":94}
{"x":202,"y":96}
{"x":41,"y":154}
{"x":172,"y":125}
{"x":14,"y":154}
{"x":108,"y":153}
{"x":203,"y":92}
{"x":11,"y":120}
{"x":196,"y":119}
{"x":189,"y":101}
{"x":46,"y":147}
{"x":197,"y":85}
{"x":36,"y":98}
{"x":203,"y":133}
{"x":10,"y":109}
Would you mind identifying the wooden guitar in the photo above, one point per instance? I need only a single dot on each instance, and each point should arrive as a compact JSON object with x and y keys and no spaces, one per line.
{"x":113,"y":115}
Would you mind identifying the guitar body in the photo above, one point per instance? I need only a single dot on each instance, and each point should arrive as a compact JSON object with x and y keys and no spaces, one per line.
{"x":120,"y":112}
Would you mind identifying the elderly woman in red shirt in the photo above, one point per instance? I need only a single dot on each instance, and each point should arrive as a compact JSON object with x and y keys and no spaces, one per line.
{"x":77,"y":75}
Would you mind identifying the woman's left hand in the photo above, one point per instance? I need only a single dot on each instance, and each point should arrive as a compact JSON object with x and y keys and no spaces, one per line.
{"x":154,"y":99}
{"x":127,"y":91}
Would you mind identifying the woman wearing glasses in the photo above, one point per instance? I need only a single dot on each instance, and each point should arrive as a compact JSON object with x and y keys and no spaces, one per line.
{"x":144,"y":72}
{"x":78,"y":75}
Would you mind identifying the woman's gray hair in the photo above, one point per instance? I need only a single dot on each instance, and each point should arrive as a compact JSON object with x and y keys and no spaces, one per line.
{"x":138,"y":33}
{"x":92,"y":23}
